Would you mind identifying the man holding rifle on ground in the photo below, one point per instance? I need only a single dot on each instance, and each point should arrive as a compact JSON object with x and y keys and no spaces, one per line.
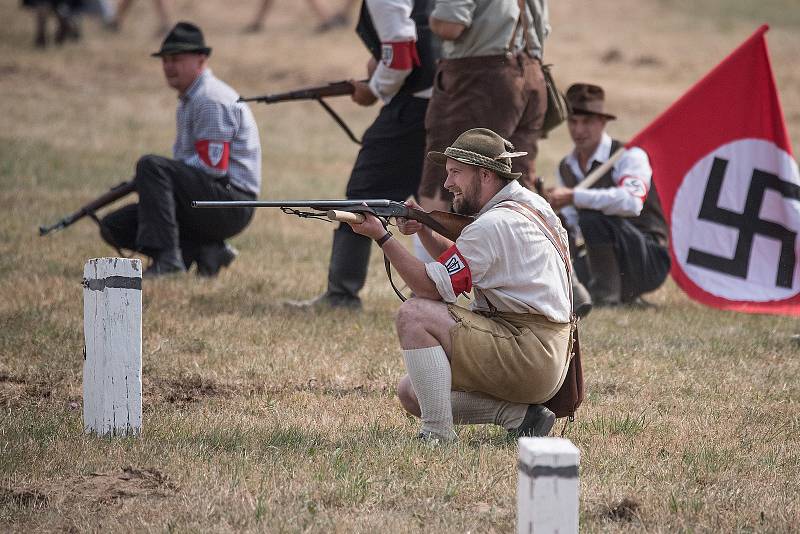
{"x":499,"y":361}
{"x":389,"y":164}
{"x":216,"y":156}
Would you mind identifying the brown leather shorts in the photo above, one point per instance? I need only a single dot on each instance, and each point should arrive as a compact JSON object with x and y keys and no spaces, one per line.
{"x":517,"y":357}
{"x":504,"y":94}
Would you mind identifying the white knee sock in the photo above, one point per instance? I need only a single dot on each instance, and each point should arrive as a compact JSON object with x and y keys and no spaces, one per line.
{"x":479,"y":408}
{"x":429,"y":371}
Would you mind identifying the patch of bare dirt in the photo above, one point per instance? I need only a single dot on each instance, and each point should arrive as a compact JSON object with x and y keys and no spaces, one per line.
{"x":114,"y":486}
{"x":22,"y":498}
{"x":627,"y":510}
{"x":324,"y":388}
{"x":182,"y":390}
{"x":16,"y":391}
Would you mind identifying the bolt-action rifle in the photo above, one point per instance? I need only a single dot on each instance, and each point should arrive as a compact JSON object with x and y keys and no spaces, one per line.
{"x":88,"y":210}
{"x":313,"y":93}
{"x":445,"y":223}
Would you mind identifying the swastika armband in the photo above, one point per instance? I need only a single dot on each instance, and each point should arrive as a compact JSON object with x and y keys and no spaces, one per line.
{"x":634,"y":186}
{"x":215,"y":154}
{"x":457,"y":269}
{"x":400,"y":56}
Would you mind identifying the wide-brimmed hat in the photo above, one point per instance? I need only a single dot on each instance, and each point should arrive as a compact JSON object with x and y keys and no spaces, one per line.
{"x":184,"y":38}
{"x":587,"y":99}
{"x":483,"y":148}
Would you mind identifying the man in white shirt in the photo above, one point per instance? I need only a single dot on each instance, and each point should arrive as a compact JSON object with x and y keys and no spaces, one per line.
{"x":619,"y":216}
{"x":501,"y":360}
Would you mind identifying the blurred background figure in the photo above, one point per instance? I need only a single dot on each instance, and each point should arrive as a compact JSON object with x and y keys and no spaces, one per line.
{"x":125,"y":5}
{"x":66,"y":14}
{"x":339,"y":19}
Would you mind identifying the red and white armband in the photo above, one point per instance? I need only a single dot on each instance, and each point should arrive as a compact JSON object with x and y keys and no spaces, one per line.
{"x":214,"y":154}
{"x":400,"y":55}
{"x":457,"y":269}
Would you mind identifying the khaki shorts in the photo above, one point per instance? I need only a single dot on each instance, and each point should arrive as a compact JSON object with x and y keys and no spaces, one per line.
{"x":511,"y":356}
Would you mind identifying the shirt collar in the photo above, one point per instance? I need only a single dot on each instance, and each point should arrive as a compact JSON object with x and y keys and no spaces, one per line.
{"x":196,"y":85}
{"x":506,"y":193}
{"x":601,"y":154}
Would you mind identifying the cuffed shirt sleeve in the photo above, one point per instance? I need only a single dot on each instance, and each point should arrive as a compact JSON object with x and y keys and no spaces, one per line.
{"x":398,"y":35}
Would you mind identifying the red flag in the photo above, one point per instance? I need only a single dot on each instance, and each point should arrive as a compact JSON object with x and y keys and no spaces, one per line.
{"x":723,"y":167}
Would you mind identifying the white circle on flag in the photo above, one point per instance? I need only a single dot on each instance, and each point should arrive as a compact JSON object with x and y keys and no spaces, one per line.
{"x":743,"y":157}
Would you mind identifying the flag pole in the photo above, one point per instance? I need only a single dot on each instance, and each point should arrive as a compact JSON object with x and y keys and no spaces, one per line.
{"x":601,"y":170}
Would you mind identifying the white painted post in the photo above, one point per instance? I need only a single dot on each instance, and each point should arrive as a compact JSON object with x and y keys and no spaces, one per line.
{"x":112,"y":327}
{"x":547,"y":487}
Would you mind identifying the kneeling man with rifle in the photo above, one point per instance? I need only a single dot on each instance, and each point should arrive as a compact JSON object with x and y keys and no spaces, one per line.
{"x":501,"y":360}
{"x":216,"y":156}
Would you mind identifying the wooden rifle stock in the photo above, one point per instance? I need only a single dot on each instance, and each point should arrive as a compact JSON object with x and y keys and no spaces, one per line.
{"x":113,"y":194}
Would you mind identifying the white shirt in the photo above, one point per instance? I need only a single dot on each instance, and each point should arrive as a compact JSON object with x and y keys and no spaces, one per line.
{"x":631,"y":173}
{"x":514,"y":266}
{"x":393,"y":24}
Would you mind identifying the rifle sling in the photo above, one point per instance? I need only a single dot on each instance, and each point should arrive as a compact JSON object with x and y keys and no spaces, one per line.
{"x":388,"y":265}
{"x":338,"y":120}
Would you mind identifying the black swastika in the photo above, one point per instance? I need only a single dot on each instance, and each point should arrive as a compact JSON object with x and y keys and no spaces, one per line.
{"x":748,"y":223}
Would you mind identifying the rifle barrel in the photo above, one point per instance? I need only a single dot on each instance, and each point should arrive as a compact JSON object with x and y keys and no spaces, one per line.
{"x":322,"y":205}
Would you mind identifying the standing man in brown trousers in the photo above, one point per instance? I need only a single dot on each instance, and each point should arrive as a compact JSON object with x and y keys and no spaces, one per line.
{"x":490,"y":76}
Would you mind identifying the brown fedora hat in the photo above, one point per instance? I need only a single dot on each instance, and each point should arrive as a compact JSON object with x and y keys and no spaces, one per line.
{"x":587,"y":99}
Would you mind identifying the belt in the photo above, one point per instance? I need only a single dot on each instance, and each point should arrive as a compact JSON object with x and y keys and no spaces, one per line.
{"x":487,"y":61}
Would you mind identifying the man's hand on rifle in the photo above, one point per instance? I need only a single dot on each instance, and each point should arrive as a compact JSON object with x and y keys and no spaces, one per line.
{"x":410,"y":226}
{"x":362,"y":95}
{"x":371,"y":227}
{"x":558,"y":197}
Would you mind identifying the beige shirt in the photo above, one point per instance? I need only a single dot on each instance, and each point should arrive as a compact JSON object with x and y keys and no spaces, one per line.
{"x":489,"y":26}
{"x":514,"y":265}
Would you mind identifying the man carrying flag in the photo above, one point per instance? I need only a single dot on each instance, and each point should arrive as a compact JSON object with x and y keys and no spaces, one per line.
{"x":730,"y":187}
{"x":619,"y":215}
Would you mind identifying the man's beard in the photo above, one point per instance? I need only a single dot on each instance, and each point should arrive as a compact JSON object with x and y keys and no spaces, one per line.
{"x":467,"y":203}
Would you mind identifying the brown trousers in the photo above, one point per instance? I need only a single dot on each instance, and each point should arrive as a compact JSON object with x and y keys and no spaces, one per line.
{"x":502,"y":93}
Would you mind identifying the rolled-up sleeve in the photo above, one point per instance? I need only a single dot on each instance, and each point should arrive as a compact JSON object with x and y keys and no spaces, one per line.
{"x":439,"y":276}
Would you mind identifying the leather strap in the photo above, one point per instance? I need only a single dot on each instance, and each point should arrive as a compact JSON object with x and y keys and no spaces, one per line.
{"x":384,"y":239}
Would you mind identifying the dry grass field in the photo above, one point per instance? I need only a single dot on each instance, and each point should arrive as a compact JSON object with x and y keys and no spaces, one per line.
{"x":261,"y":419}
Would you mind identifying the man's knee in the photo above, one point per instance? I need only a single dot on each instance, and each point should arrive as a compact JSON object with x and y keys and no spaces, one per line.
{"x":407,"y":397}
{"x":412,"y":315}
{"x":148,"y":166}
{"x":596,"y":228}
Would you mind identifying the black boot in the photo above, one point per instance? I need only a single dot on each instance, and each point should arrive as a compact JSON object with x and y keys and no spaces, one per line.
{"x":167,"y":261}
{"x":537,"y":423}
{"x":606,"y":284}
{"x":347,"y":271}
{"x":213,"y":257}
